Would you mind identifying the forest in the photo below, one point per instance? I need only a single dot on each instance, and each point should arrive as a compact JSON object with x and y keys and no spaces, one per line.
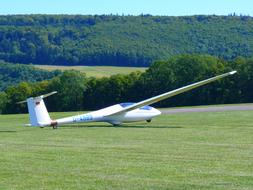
{"x":11,"y":74}
{"x":121,"y":40}
{"x":76,"y":91}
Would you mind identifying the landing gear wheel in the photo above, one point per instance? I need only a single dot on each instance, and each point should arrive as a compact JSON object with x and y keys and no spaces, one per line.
{"x":149,"y":120}
{"x":54,"y":124}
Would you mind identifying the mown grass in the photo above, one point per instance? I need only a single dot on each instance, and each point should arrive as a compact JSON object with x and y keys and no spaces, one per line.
{"x":179,"y":151}
{"x":95,"y":71}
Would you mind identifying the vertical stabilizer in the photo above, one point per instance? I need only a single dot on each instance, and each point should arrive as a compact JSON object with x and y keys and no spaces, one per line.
{"x":38,"y":113}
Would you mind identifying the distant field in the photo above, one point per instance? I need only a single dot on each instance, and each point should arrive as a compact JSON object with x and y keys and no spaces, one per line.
{"x":95,"y":71}
{"x":179,"y":151}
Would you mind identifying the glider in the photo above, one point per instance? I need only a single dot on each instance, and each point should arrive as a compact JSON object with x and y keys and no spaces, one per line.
{"x":115,"y":115}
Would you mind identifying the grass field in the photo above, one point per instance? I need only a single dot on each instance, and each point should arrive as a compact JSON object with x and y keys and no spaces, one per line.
{"x":179,"y":151}
{"x":95,"y":71}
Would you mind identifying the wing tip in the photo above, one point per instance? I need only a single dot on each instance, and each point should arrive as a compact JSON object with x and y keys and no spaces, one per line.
{"x":232,"y":72}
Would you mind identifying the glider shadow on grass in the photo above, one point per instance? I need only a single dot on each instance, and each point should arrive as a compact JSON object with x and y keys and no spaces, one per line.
{"x":122,"y":126}
{"x":7,"y":131}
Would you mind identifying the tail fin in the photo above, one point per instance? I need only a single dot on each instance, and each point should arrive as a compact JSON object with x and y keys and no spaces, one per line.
{"x":37,"y":110}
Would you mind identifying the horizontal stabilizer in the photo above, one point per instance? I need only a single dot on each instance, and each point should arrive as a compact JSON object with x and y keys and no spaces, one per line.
{"x":39,"y":97}
{"x":49,"y":94}
{"x":21,"y":102}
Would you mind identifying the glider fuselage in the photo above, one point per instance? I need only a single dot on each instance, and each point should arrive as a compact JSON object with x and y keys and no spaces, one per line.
{"x":140,"y":114}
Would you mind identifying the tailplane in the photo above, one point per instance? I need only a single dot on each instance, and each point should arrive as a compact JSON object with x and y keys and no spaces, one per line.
{"x":38,"y":113}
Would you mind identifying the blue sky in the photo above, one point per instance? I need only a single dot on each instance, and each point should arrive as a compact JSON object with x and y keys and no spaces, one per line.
{"x":133,"y":7}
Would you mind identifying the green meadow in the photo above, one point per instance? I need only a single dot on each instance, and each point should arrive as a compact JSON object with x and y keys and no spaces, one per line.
{"x":94,"y":71}
{"x":178,"y":151}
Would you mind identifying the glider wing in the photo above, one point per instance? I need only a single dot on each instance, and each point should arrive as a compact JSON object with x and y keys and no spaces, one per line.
{"x":170,"y":94}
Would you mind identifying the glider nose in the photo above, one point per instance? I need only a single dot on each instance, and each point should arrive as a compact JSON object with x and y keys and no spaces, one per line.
{"x":156,"y":112}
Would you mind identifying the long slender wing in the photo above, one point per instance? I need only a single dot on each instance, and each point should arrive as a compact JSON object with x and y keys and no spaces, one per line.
{"x":171,"y":93}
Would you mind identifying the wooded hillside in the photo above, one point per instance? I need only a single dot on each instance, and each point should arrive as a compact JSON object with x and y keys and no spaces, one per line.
{"x":121,"y":40}
{"x":11,"y":75}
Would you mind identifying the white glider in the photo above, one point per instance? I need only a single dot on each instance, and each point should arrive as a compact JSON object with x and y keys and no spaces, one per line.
{"x":116,"y":114}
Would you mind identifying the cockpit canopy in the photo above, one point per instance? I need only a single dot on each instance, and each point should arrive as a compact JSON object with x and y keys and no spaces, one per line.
{"x":127,"y":104}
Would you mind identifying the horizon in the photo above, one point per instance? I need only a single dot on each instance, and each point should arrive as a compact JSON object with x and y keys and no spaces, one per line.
{"x":142,"y":14}
{"x":128,"y":7}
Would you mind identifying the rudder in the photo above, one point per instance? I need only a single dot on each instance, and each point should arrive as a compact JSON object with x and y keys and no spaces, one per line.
{"x":38,"y":113}
{"x":37,"y":110}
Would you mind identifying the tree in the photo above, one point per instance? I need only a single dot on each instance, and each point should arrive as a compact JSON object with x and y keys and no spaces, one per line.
{"x":179,"y":71}
{"x":70,"y":87}
{"x":16,"y":94}
{"x":243,"y":82}
{"x":3,"y":101}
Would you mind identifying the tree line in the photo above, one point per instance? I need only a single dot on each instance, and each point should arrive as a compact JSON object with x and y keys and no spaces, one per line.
{"x":78,"y":92}
{"x":121,"y":40}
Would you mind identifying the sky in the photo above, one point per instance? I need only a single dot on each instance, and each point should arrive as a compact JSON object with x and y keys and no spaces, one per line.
{"x":132,"y":7}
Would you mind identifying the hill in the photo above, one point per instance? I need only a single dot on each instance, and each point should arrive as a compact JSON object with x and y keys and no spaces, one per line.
{"x":121,"y":40}
{"x":13,"y":74}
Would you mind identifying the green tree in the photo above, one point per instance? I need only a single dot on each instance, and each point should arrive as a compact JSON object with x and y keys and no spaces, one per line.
{"x":70,"y":87}
{"x":3,"y":101}
{"x":243,"y":82}
{"x":179,"y":71}
{"x":16,"y":94}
